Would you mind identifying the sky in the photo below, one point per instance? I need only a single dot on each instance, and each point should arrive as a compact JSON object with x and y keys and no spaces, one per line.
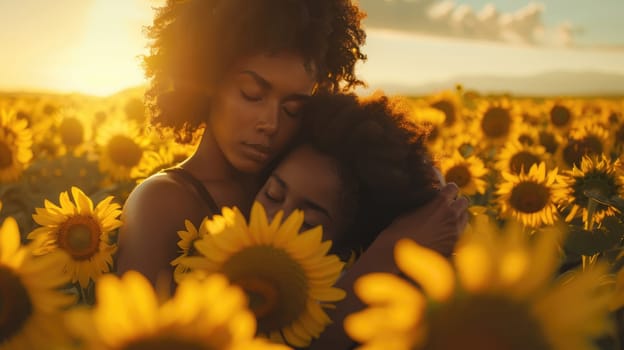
{"x":92,"y":46}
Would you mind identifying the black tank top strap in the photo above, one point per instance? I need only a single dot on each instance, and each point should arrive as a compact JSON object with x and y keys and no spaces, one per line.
{"x":198,"y":185}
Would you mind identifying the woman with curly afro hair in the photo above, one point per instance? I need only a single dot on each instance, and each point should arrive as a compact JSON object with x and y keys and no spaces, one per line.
{"x":358,"y":165}
{"x":238,"y":72}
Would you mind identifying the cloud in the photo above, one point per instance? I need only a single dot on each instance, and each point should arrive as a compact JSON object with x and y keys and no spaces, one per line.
{"x":447,"y":18}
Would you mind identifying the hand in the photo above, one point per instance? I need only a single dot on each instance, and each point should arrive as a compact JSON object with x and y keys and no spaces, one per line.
{"x":436,"y":225}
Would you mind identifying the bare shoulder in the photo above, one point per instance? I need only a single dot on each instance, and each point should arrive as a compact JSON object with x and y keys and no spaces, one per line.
{"x":161,"y":203}
{"x":159,"y":192}
{"x":152,"y":216}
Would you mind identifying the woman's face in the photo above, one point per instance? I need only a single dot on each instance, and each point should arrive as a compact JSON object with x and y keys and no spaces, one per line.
{"x":307,"y":180}
{"x":256,"y":108}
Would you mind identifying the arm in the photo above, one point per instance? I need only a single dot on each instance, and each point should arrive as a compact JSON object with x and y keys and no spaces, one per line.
{"x":152,"y":215}
{"x":436,"y":226}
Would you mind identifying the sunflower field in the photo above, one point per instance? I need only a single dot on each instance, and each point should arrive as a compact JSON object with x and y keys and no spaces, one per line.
{"x":539,"y":266}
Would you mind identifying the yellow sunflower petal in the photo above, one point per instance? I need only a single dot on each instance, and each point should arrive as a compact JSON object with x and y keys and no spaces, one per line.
{"x":427,"y":267}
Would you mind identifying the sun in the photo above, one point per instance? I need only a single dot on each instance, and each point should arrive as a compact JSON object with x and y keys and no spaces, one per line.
{"x":105,"y":58}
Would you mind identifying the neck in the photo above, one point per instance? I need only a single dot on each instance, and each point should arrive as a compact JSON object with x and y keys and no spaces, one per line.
{"x":228,"y":185}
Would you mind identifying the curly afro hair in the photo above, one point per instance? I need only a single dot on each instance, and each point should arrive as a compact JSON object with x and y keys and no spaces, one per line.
{"x":193,"y":42}
{"x":382,"y":158}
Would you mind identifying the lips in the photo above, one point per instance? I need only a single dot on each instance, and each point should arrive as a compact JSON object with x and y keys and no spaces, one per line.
{"x":258,"y":152}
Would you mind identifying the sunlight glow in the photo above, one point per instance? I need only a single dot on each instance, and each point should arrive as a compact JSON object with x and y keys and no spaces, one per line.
{"x":106,"y":60}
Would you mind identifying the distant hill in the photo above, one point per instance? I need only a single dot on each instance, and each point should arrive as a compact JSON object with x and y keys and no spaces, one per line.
{"x":560,"y":83}
{"x":548,"y":84}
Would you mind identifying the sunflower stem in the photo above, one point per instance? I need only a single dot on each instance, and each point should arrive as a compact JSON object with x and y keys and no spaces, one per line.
{"x":592,"y":205}
{"x":83,"y":296}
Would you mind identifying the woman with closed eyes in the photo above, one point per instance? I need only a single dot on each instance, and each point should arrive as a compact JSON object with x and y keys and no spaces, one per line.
{"x":240,"y":70}
{"x":357,"y":167}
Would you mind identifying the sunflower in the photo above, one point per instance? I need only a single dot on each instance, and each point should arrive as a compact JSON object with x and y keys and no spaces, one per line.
{"x":527,"y":134}
{"x":617,"y":137}
{"x":587,"y":139}
{"x":181,"y":151}
{"x":499,"y":296}
{"x":15,"y":146}
{"x":595,"y":175}
{"x":74,"y":132}
{"x":463,"y":143}
{"x":129,"y":316}
{"x":152,"y":163}
{"x":81,"y":231}
{"x":186,"y":243}
{"x":432,"y":120}
{"x":618,"y":299}
{"x":30,"y":300}
{"x":531,"y":197}
{"x":550,"y":140}
{"x":466,"y":173}
{"x":449,"y":103}
{"x":497,"y":120}
{"x":515,"y":157}
{"x":122,"y":148}
{"x":287,"y":275}
{"x":562,"y":114}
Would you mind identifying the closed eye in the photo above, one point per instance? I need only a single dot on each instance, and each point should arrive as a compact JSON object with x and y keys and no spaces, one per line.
{"x":292,"y":108}
{"x":249,"y":97}
{"x":270,"y":197}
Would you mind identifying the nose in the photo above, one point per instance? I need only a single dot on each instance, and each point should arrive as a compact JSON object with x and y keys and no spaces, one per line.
{"x":268,"y":119}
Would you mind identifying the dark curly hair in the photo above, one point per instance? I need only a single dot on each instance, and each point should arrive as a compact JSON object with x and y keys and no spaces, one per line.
{"x":382,"y":159}
{"x":193,"y":42}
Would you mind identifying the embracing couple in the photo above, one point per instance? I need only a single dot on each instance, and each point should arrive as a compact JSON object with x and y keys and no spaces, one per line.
{"x":268,"y":82}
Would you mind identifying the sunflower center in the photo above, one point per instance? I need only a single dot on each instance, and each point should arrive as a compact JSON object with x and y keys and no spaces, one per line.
{"x":124,"y":151}
{"x":72,"y":132}
{"x":459,"y":174}
{"x":166,"y":343}
{"x":560,"y":116}
{"x":6,"y":156}
{"x":598,"y":187}
{"x":466,"y":149}
{"x":262,"y":295}
{"x":526,"y":139}
{"x":573,"y":152}
{"x":597,"y":183}
{"x":522,"y":161}
{"x":448,"y":109}
{"x":79,"y":236}
{"x":592,"y":144}
{"x":486,"y":323}
{"x":614,"y":118}
{"x":529,"y":197}
{"x":15,"y":304}
{"x":619,"y":134}
{"x":275,"y":284}
{"x":496,"y":122}
{"x":549,"y":141}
